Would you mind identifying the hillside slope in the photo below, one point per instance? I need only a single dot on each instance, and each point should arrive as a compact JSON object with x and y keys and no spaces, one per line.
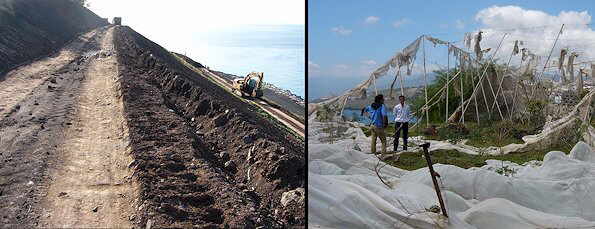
{"x":35,"y":28}
{"x":241,"y":163}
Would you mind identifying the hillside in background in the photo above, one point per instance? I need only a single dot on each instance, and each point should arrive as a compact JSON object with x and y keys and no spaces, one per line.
{"x":34,"y":28}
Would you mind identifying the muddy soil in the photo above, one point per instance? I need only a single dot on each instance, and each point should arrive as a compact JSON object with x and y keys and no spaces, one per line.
{"x":202,"y":157}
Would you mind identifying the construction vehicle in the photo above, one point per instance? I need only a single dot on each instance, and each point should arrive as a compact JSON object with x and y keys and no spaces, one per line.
{"x":249,"y":86}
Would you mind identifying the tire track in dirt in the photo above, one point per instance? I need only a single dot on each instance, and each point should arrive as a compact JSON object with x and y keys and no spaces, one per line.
{"x":93,"y":186}
{"x":19,"y":83}
{"x":32,"y":130}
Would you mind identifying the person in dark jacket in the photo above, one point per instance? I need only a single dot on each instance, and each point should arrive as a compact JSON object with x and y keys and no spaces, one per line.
{"x":378,"y":115}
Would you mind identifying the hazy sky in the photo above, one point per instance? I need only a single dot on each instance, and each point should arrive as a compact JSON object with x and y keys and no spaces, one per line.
{"x":203,"y":29}
{"x":347,"y":40}
{"x":170,"y":23}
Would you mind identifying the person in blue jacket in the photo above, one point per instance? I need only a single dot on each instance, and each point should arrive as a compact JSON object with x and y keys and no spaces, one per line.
{"x":377,"y":113}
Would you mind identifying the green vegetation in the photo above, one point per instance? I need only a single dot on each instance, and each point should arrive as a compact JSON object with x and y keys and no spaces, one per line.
{"x":478,"y":136}
{"x":414,"y":160}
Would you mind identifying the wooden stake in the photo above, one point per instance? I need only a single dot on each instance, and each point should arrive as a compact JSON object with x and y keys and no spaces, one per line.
{"x":425,"y":146}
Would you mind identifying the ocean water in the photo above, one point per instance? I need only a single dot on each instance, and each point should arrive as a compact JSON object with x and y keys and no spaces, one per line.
{"x":276,"y":50}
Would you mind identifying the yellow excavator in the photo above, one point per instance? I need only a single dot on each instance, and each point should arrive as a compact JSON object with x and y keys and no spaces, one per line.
{"x":249,"y":86}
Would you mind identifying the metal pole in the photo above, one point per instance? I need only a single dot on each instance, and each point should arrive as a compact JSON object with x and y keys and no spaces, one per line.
{"x":434,"y":175}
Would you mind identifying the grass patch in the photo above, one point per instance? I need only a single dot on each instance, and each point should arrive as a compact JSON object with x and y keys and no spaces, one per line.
{"x":478,"y":136}
{"x":414,"y":160}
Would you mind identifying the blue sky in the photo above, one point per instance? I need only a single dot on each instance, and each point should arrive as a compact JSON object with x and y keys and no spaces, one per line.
{"x":348,"y":39}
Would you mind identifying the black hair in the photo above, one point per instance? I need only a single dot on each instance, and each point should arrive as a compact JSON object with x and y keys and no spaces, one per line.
{"x":401,"y":96}
{"x":378,"y":98}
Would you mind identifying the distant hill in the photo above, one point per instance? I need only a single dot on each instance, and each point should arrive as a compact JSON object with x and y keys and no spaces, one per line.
{"x":356,"y":103}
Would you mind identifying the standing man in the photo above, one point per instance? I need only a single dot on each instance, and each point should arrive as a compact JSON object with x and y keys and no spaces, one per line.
{"x":402,"y":113}
{"x":379,"y":122}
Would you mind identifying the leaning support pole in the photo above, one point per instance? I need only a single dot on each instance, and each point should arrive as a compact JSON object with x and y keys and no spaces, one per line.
{"x":374,"y":81}
{"x":343,"y":107}
{"x":447,"y":81}
{"x":495,"y":97}
{"x":434,"y":175}
{"x":425,"y":82}
{"x":548,"y":60}
{"x":475,"y":99}
{"x":462,"y":100}
{"x":500,"y":85}
{"x":485,"y":70}
{"x":401,"y":79}
{"x":485,"y":99}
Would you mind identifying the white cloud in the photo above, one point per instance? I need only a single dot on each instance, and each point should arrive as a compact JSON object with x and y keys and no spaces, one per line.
{"x":538,"y":30}
{"x":459,"y":24}
{"x":372,"y":20}
{"x":401,"y":22}
{"x":341,"y":31}
{"x":369,"y":62}
{"x":313,"y":68}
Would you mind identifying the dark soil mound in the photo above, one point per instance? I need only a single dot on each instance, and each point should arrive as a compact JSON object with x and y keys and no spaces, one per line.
{"x":34,"y":28}
{"x":202,"y":156}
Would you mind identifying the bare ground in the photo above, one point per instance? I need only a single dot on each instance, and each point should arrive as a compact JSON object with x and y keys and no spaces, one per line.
{"x":112,"y":131}
{"x":93,"y":185}
{"x":41,"y":103}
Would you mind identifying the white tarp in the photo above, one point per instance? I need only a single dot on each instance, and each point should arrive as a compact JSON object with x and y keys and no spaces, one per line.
{"x":344,"y":191}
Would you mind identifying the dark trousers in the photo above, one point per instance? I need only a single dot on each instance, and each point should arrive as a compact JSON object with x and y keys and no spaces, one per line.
{"x":401,"y":126}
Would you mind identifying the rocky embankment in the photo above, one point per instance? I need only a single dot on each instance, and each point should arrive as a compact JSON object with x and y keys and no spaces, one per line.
{"x":201,"y":155}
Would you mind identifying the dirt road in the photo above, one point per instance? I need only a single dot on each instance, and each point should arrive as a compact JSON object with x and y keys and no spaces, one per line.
{"x":93,"y":187}
{"x":64,"y":139}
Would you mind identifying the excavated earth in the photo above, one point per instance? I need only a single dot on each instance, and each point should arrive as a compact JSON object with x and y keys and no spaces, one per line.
{"x":111,"y":130}
{"x":202,"y":156}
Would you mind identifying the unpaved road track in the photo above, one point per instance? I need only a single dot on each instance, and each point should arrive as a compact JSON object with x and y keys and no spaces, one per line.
{"x":93,"y":186}
{"x":63,"y":140}
{"x":19,"y":83}
{"x":284,"y":118}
